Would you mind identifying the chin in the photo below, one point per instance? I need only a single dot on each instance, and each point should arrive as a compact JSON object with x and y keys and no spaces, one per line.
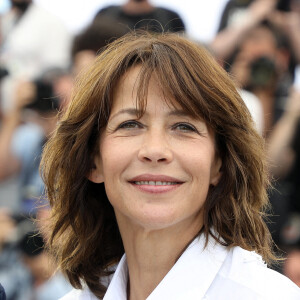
{"x":152,"y":220}
{"x":160,"y":220}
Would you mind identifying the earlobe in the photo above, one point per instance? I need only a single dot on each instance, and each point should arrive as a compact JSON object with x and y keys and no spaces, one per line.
{"x":96,"y":174}
{"x":216,"y":172}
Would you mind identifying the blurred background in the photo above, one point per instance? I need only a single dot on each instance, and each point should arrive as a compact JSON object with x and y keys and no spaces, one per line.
{"x":201,"y":18}
{"x":45,"y":44}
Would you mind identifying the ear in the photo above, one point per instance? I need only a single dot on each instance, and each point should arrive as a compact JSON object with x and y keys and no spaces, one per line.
{"x":216,"y":173}
{"x":96,"y":173}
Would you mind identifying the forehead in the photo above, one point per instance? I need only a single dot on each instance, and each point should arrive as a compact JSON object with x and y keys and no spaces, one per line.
{"x":260,"y":41}
{"x":261,"y":35}
{"x":131,"y":90}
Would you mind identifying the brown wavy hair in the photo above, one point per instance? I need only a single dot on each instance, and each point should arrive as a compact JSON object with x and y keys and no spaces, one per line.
{"x":84,"y":233}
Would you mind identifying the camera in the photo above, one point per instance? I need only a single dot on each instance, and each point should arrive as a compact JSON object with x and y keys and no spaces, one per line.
{"x":262,"y":72}
{"x":44,"y":100}
{"x":283,"y":5}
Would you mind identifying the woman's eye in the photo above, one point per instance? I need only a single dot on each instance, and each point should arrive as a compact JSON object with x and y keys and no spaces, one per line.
{"x":185,"y":127}
{"x":130,"y":125}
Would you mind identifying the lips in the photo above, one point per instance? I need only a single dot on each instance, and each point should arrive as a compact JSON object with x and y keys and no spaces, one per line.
{"x":155,"y":183}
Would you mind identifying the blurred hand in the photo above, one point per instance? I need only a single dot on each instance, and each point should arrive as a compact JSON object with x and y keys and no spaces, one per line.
{"x":7,"y":227}
{"x":293,"y":103}
{"x":286,"y":21}
{"x":260,"y":9}
{"x":240,"y":68}
{"x":25,"y":93}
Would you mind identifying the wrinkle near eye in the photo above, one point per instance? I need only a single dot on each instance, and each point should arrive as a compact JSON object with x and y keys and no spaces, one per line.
{"x":109,"y":129}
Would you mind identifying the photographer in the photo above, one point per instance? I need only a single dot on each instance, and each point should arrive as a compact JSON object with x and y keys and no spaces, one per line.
{"x":261,"y":65}
{"x":241,"y":16}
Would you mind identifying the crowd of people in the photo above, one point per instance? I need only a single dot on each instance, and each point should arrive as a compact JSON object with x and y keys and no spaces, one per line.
{"x":257,"y":43}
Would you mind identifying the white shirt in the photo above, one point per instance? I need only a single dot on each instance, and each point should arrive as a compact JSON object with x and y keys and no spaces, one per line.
{"x":37,"y":42}
{"x":211,"y":273}
{"x":255,"y":108}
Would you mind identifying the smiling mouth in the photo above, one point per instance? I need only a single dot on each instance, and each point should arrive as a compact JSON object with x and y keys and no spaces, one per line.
{"x":155,"y":187}
{"x":155,"y":183}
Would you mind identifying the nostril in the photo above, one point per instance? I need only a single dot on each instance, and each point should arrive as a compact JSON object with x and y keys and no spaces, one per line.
{"x":147,"y":159}
{"x":158,"y":160}
{"x":155,"y":153}
{"x":161,"y":160}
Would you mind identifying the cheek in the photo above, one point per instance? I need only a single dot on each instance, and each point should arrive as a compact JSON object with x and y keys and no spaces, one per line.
{"x":198,"y":160}
{"x":115,"y":155}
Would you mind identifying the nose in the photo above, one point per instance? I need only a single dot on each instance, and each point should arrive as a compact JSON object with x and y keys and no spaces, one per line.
{"x":155,"y":148}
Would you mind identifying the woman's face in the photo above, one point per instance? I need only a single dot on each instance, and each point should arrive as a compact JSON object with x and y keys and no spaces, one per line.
{"x":157,"y":169}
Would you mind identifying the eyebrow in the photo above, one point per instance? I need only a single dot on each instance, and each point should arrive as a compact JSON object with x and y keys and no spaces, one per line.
{"x":128,"y":111}
{"x":136,"y":112}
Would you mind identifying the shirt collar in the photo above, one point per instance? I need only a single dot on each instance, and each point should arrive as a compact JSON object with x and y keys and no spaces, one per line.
{"x":190,"y":277}
{"x":117,"y":288}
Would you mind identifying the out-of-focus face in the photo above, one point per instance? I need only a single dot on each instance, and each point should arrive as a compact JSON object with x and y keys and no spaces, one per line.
{"x":82,"y":60}
{"x":259,"y":43}
{"x":39,"y":266}
{"x":157,"y":169}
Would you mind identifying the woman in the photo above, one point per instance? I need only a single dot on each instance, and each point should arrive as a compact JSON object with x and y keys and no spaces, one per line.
{"x":158,"y":123}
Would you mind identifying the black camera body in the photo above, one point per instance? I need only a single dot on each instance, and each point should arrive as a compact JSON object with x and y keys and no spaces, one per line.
{"x":45,"y":100}
{"x":262,"y":73}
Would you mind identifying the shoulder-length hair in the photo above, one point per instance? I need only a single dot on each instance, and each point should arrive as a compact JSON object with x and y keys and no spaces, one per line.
{"x":85,"y":236}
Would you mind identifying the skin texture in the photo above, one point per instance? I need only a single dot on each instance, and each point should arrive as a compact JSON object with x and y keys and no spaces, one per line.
{"x":162,"y":142}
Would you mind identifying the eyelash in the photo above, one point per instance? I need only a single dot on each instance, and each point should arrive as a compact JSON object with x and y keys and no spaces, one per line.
{"x":188,"y":127}
{"x":128,"y":125}
{"x":131,"y":124}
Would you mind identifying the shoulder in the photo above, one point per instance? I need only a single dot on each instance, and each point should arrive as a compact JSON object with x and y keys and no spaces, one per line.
{"x":74,"y":294}
{"x":247,"y":272}
{"x":84,"y":294}
{"x":27,"y":141}
{"x":109,"y":9}
{"x":167,"y":12}
{"x":170,"y":19}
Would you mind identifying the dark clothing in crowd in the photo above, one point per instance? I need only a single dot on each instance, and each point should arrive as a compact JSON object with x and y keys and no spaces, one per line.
{"x":2,"y":293}
{"x":158,"y":20}
{"x":285,"y":200}
{"x":295,"y":173}
{"x":291,"y":232}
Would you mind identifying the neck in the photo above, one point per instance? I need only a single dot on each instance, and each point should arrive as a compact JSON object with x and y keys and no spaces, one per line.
{"x":152,"y":253}
{"x":133,"y":7}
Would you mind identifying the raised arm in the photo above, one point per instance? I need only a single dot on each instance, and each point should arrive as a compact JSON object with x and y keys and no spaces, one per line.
{"x":280,"y":150}
{"x":226,"y":40}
